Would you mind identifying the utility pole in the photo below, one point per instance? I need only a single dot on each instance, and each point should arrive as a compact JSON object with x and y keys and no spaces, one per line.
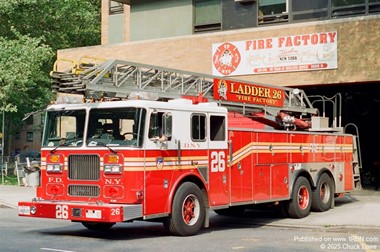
{"x":2,"y":149}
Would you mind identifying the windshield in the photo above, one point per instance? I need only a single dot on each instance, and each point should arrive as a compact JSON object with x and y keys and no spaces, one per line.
{"x":116,"y":127}
{"x":64,"y":128}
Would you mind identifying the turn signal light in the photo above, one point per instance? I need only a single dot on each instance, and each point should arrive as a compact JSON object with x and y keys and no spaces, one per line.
{"x":53,"y":158}
{"x":113,"y":159}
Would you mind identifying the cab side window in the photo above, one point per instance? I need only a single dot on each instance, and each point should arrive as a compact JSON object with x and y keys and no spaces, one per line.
{"x":155,"y":124}
{"x":160,"y":126}
{"x":217,"y":128}
{"x":198,"y":127}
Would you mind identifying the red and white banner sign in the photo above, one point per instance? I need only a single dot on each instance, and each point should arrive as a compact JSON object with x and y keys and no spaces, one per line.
{"x":248,"y":93}
{"x":316,"y":51}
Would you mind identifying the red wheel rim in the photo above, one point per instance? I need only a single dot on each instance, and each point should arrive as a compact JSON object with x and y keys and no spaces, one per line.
{"x":190,"y":210}
{"x":303,"y":197}
{"x":324,"y":192}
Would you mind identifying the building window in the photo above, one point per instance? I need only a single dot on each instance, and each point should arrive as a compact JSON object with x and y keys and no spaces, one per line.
{"x":17,"y":135}
{"x":273,"y":11}
{"x":115,"y":8}
{"x":29,"y":136}
{"x":207,"y":15}
{"x":304,"y":10}
{"x":347,"y":2}
{"x":271,"y":7}
{"x":374,"y":6}
{"x":347,"y":7}
{"x":326,"y":9}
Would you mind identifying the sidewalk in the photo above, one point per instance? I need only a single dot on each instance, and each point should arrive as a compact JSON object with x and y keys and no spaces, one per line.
{"x":11,"y":195}
{"x":360,"y":209}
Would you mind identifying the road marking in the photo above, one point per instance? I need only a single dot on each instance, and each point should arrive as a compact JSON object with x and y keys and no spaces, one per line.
{"x":241,"y":247}
{"x":365,"y":246}
{"x":58,"y":250}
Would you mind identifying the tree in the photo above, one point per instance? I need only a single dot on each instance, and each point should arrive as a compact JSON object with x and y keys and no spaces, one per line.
{"x":23,"y":83}
{"x":63,"y":23}
{"x":21,"y":74}
{"x":30,"y":33}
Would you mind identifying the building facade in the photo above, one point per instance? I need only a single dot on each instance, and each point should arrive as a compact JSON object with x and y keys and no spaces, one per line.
{"x":27,"y":141}
{"x":180,"y":34}
{"x":325,"y":47}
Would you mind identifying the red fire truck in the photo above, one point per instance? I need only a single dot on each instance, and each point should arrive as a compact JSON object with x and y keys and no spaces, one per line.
{"x":150,"y":143}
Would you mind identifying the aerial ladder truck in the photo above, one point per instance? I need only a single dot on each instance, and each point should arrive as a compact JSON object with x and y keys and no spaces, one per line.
{"x":126,"y":141}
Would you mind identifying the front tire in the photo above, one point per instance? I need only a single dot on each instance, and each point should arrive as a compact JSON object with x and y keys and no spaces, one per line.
{"x":188,"y":211}
{"x":323,"y":194}
{"x":300,"y":204}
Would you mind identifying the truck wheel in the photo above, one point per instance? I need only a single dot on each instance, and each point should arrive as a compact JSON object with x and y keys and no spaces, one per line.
{"x":188,"y":211}
{"x":98,"y":225}
{"x":323,"y":194}
{"x":300,"y":204}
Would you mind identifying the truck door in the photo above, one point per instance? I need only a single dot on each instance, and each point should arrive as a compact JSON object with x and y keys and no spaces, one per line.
{"x":218,"y":163}
{"x":159,"y":158}
{"x":243,"y":149}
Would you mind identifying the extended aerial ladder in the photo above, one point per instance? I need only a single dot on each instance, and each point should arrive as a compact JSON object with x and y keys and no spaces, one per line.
{"x":117,"y":79}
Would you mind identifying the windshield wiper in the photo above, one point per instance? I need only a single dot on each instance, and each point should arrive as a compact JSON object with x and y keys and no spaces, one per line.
{"x":61,"y":143}
{"x":106,"y":145}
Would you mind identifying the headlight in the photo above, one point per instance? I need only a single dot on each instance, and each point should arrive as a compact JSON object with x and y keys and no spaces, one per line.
{"x":53,"y":168}
{"x":112,"y":169}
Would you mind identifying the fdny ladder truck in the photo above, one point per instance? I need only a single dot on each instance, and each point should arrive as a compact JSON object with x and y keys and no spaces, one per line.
{"x":150,"y":143}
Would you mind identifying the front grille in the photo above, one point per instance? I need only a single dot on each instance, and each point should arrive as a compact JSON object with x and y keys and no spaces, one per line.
{"x":84,"y":167}
{"x":84,"y":190}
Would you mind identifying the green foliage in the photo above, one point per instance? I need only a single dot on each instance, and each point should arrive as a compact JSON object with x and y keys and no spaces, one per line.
{"x":31,"y":31}
{"x":11,"y":180}
{"x":21,"y":68}
{"x":24,"y":85}
{"x":63,"y":23}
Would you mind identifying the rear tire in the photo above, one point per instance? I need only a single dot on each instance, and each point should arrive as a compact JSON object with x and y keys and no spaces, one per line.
{"x":323,"y":194}
{"x":300,"y":204}
{"x":188,"y":211}
{"x":98,"y":226}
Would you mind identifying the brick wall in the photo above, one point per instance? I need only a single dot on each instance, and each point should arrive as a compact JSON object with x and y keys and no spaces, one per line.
{"x":358,"y":51}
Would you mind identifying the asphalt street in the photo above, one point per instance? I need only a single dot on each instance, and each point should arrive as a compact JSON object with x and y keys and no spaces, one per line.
{"x":359,"y":209}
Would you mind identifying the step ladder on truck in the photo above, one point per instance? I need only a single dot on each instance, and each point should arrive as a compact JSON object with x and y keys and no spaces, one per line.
{"x":128,"y":141}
